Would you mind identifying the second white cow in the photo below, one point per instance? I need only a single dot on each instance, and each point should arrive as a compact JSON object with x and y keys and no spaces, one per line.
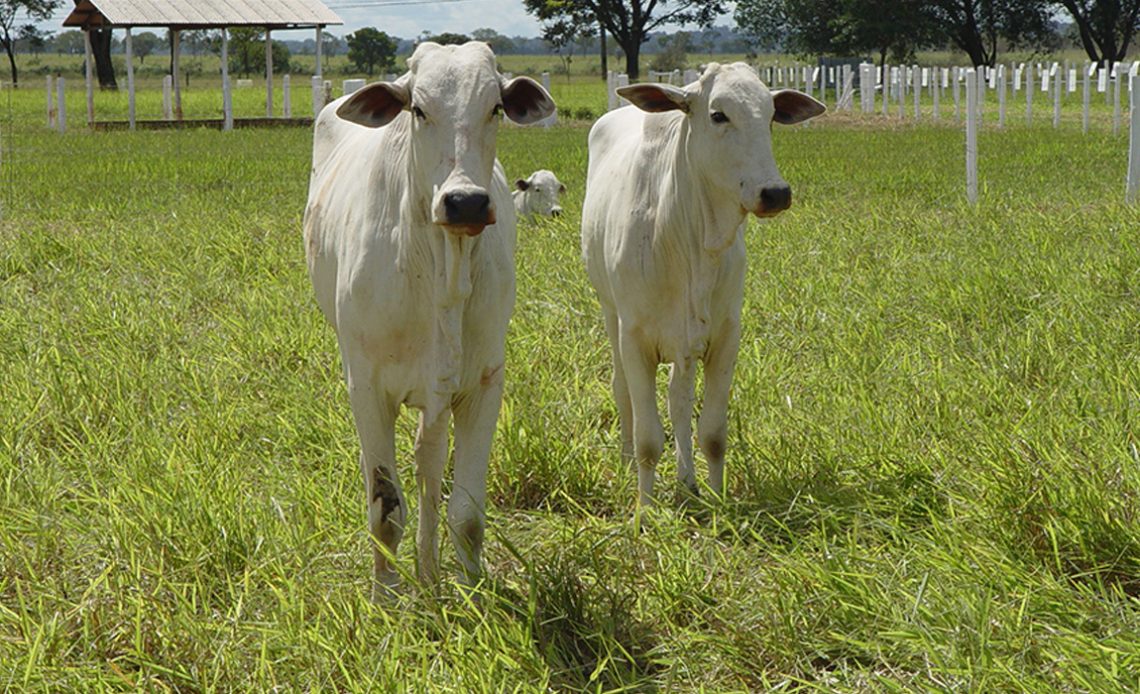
{"x":538,"y":194}
{"x":670,"y":184}
{"x":410,"y":238}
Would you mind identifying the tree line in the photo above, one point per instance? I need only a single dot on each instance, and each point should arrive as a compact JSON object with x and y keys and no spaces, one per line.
{"x":885,"y":29}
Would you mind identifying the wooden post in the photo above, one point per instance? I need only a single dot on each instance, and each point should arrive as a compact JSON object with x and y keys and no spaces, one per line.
{"x":286,"y":97}
{"x":128,"y":45}
{"x":227,"y":92}
{"x":50,"y":101}
{"x":1001,"y":95}
{"x":954,"y":77}
{"x":176,"y":48}
{"x":60,"y":106}
{"x":917,"y":77}
{"x":1133,"y":141}
{"x":268,"y":74}
{"x":1089,"y":69}
{"x":1056,"y":95}
{"x":886,"y":95}
{"x":89,"y":74}
{"x":1029,"y":94}
{"x":1117,"y":77}
{"x":318,"y":86}
{"x":937,"y":93}
{"x":320,"y":30}
{"x":971,"y":137}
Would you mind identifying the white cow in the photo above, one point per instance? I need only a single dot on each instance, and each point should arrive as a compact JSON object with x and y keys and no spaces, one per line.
{"x":670,"y":183}
{"x":410,"y":238}
{"x":538,"y":194}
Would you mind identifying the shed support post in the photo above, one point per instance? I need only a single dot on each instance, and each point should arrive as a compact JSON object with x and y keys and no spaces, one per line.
{"x":128,"y":46}
{"x":268,"y":74}
{"x":320,"y":30}
{"x":89,"y":74}
{"x":176,"y":49}
{"x":227,"y":95}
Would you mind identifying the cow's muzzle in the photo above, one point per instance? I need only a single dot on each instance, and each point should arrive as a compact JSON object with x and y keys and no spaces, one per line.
{"x":773,"y":201}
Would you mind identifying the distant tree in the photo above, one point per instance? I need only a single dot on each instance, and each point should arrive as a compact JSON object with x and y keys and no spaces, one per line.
{"x":70,"y":42}
{"x":144,"y":44}
{"x":628,"y":21}
{"x":887,"y":28}
{"x":449,"y":38}
{"x":979,"y":27}
{"x":501,"y":45}
{"x":1105,"y":27}
{"x":675,"y":50}
{"x":370,"y":48}
{"x":247,"y":52}
{"x":32,"y":38}
{"x":38,"y":10}
{"x":330,"y":44}
{"x":802,"y":27}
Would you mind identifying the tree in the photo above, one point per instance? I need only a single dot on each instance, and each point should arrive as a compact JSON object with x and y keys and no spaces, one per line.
{"x":70,"y":42}
{"x":449,"y":38}
{"x":370,"y":48}
{"x":37,"y":10}
{"x":803,"y":27}
{"x":977,"y":26}
{"x":894,"y":28}
{"x":1105,"y":27}
{"x":674,"y":53}
{"x":247,"y":52}
{"x":33,"y":38}
{"x":501,"y":45}
{"x":628,"y":21}
{"x":144,"y":44}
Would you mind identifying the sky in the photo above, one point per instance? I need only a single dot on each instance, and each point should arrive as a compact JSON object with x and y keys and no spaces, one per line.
{"x":407,"y":18}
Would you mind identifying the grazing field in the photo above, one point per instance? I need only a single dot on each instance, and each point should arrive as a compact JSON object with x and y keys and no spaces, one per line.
{"x":933,"y":465}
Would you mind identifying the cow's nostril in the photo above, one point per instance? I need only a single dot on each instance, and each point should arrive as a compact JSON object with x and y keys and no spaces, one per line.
{"x":776,"y":198}
{"x":556,"y":211}
{"x":467,"y":208}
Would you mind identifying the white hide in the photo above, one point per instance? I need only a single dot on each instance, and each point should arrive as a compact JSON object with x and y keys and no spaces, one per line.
{"x":670,"y":183}
{"x":538,"y":194}
{"x":418,"y":292}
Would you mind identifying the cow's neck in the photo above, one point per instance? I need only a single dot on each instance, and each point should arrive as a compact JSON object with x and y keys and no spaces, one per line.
{"x":697,"y":223}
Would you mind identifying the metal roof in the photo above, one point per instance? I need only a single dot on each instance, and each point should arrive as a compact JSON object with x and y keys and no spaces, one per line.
{"x":200,"y":13}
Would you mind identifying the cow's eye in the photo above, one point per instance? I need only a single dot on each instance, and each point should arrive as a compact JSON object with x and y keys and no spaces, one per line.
{"x":419,"y":113}
{"x":497,"y":111}
{"x":718,"y":117}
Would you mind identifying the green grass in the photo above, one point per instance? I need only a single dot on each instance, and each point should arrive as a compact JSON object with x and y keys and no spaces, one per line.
{"x":933,"y":464}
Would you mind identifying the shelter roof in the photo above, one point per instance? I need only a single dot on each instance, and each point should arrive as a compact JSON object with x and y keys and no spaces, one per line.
{"x":200,"y":14}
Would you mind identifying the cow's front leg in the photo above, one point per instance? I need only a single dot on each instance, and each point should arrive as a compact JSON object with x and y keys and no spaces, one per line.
{"x":640,"y":365}
{"x":475,"y":414}
{"x":375,"y":420}
{"x":681,"y":415}
{"x":431,"y":457}
{"x":621,"y":390}
{"x":712,"y":429}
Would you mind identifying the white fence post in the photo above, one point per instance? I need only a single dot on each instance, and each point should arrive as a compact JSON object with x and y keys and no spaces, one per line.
{"x":1029,"y":94}
{"x":971,"y":137}
{"x":50,"y":101}
{"x":167,"y":82}
{"x":1056,"y":95}
{"x":937,"y":92}
{"x":60,"y":106}
{"x":917,"y":77}
{"x":1117,"y":69}
{"x":318,"y":86}
{"x":1001,"y":95}
{"x":1089,"y":69}
{"x":286,"y":96}
{"x":955,"y":74}
{"x":1133,"y":141}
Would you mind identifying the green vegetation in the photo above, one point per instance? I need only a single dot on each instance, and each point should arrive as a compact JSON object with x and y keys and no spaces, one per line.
{"x":933,"y":462}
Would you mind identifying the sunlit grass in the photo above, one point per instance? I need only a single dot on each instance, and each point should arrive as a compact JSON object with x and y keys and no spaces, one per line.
{"x":933,"y":465}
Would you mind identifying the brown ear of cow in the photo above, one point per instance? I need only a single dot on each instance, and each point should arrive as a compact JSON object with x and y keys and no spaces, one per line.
{"x":655,"y":98}
{"x":522,"y":184}
{"x":375,"y":105}
{"x":525,"y":101}
{"x":795,"y":107}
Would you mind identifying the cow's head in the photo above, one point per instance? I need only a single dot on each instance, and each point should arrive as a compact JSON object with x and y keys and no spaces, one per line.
{"x":454,"y":98}
{"x":730,"y":113}
{"x":540,"y":193}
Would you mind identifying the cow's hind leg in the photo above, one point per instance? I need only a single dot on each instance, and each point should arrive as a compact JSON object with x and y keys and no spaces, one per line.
{"x":387,"y":509}
{"x":640,"y":365}
{"x":621,"y":391}
{"x":712,"y":429}
{"x":475,"y":414}
{"x":431,"y":457}
{"x":681,"y":415}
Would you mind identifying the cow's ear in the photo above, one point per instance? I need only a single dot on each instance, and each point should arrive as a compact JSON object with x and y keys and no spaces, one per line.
{"x":655,"y":98}
{"x":375,"y":105}
{"x":522,"y":184}
{"x":525,"y":101}
{"x":795,"y":107}
{"x":561,"y":187}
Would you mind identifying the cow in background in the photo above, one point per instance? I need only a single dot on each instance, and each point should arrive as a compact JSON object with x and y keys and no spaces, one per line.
{"x":410,"y":236}
{"x":538,"y":194}
{"x":670,"y":183}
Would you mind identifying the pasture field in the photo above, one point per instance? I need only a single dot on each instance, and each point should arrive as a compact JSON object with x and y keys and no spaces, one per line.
{"x":933,"y":465}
